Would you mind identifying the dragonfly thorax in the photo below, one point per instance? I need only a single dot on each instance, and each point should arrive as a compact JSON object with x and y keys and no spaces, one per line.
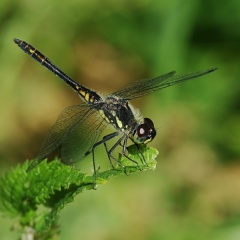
{"x":117,"y":112}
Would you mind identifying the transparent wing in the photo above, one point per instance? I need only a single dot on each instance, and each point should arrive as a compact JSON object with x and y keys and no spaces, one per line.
{"x":80,"y":140}
{"x":66,"y":121}
{"x":143,"y":87}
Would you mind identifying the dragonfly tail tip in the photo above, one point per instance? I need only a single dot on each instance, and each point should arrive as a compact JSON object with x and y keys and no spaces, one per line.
{"x":16,"y":40}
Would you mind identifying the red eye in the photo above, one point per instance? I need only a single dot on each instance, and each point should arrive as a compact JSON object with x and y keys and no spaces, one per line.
{"x":142,"y":130}
{"x":146,"y":131}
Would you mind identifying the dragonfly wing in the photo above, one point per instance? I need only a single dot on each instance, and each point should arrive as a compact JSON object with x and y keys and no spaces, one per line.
{"x":67,"y":120}
{"x":143,"y":87}
{"x":78,"y":143}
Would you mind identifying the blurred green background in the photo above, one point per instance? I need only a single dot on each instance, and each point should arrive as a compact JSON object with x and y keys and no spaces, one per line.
{"x":195,"y":191}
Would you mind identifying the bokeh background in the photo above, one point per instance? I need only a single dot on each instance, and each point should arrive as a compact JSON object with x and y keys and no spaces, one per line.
{"x":195,"y":191}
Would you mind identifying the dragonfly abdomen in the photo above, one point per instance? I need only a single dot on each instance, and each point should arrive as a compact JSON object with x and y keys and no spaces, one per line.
{"x":87,"y":95}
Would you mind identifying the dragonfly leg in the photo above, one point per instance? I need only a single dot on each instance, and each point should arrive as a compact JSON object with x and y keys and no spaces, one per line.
{"x":124,"y":149}
{"x":103,"y":141}
{"x":142,"y":157}
{"x":109,"y":153}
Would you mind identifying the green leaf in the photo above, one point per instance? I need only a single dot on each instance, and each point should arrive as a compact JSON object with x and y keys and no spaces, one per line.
{"x":36,"y":197}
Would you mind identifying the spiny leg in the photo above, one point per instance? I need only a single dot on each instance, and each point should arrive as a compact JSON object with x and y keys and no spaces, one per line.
{"x":124,"y":138}
{"x":141,"y":153}
{"x":124,"y":149}
{"x":106,"y":138}
{"x":110,"y":160}
{"x":109,"y":153}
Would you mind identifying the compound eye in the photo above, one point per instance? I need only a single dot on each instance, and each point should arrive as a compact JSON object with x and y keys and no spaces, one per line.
{"x":142,"y":130}
{"x":146,"y":131}
{"x":149,"y":122}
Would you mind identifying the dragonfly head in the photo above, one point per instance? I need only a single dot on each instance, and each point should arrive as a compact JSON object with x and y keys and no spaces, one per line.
{"x":145,"y":132}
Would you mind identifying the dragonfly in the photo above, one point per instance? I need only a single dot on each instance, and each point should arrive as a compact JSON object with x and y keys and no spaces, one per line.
{"x":78,"y":128}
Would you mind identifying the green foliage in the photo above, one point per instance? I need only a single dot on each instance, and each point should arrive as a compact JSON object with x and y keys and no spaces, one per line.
{"x":36,"y":197}
{"x":105,"y":45}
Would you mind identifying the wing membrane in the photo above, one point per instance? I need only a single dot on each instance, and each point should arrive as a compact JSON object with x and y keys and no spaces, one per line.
{"x":66,"y":121}
{"x":143,"y":87}
{"x":80,"y":140}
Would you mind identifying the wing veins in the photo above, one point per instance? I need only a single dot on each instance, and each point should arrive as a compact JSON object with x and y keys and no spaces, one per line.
{"x":143,"y":87}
